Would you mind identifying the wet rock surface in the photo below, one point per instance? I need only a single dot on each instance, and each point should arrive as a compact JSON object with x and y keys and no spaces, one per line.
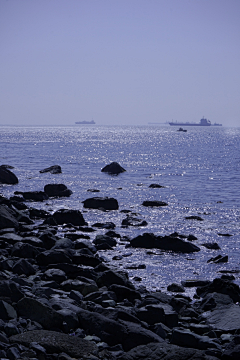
{"x":114,"y":168}
{"x":61,"y":299}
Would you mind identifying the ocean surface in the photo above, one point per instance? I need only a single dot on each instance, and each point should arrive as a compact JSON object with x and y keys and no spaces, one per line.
{"x":200,"y":172}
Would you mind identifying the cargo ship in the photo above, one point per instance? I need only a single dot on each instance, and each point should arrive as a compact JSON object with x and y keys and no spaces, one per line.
{"x":203,"y":122}
{"x":92,"y":122}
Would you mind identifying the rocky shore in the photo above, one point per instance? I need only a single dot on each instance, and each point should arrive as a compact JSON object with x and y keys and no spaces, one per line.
{"x":59,"y":299}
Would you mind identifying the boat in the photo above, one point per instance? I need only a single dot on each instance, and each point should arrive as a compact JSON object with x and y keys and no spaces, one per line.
{"x":181,"y":129}
{"x":92,"y":122}
{"x":203,"y":122}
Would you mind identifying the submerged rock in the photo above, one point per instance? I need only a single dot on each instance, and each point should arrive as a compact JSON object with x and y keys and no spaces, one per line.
{"x":150,"y":241}
{"x":154,"y":203}
{"x":105,"y":203}
{"x":55,"y":169}
{"x":57,"y":190}
{"x":114,"y":168}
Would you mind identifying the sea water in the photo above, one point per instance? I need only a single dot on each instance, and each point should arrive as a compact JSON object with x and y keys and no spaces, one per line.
{"x":199,"y":171}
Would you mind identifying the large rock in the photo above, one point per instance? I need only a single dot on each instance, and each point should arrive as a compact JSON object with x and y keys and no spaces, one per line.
{"x":57,"y":190}
{"x":54,"y":256}
{"x":55,"y":169}
{"x":113,"y":332}
{"x":164,"y":351}
{"x":221,"y":286}
{"x":150,"y":241}
{"x":105,"y":203}
{"x":7,"y":177}
{"x":232,"y":350}
{"x":37,"y":311}
{"x":33,"y":195}
{"x":56,"y":342}
{"x":65,"y":216}
{"x":114,"y":168}
{"x":224,"y":318}
{"x":189,"y":339}
{"x":7,"y":220}
{"x":110,"y":277}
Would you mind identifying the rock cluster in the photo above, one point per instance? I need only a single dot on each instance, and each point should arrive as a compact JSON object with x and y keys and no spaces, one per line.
{"x":60,"y":300}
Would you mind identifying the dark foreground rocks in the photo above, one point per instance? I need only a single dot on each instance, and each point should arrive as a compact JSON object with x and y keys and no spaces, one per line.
{"x":60,"y":300}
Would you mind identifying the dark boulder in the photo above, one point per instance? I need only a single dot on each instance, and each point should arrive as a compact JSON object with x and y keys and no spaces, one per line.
{"x":65,"y":216}
{"x":232,"y":350}
{"x":57,"y":190}
{"x":104,"y":242}
{"x":53,"y":257}
{"x":123,"y":292}
{"x":22,"y":250}
{"x":7,"y":177}
{"x":165,"y":351}
{"x":149,"y":241}
{"x":37,"y":311}
{"x":221,"y":286}
{"x":110,"y":277}
{"x":105,"y":203}
{"x":10,"y":291}
{"x":55,"y":169}
{"x":154,"y":203}
{"x":114,"y":168}
{"x":22,"y":266}
{"x":7,"y":312}
{"x":7,"y":219}
{"x":33,"y":195}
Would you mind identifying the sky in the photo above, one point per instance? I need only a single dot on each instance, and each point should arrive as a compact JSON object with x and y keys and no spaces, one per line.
{"x":119,"y":62}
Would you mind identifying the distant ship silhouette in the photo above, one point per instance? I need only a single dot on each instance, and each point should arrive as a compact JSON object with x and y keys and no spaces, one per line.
{"x":85,"y":122}
{"x":203,"y":122}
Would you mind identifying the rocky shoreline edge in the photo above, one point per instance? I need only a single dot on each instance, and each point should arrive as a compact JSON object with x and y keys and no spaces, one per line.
{"x":60,"y":300}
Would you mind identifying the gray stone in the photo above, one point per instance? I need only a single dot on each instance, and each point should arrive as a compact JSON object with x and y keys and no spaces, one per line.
{"x":56,"y":342}
{"x":164,"y":351}
{"x":225,"y":318}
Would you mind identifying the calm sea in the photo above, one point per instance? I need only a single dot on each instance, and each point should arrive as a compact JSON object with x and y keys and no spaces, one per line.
{"x":200,"y":172}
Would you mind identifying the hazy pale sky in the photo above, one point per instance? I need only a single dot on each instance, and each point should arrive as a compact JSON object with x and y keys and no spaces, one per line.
{"x":119,"y":61}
